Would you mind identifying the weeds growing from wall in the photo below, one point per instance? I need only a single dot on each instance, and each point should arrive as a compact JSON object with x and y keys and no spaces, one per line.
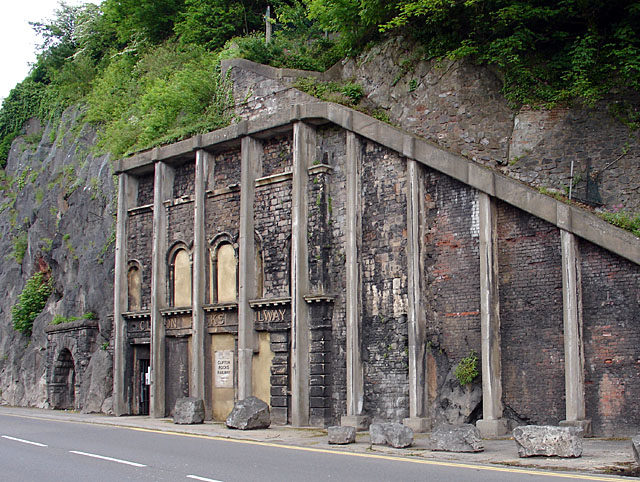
{"x":31,"y":302}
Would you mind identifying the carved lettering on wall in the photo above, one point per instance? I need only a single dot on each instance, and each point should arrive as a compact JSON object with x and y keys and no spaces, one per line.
{"x":224,"y":369}
{"x":178,"y":322}
{"x":216,"y":319}
{"x":270,"y":316}
{"x":138,"y":325}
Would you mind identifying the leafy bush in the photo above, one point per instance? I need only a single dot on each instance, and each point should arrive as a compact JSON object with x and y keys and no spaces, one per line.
{"x":31,"y":302}
{"x":20,"y":244}
{"x":467,"y":369}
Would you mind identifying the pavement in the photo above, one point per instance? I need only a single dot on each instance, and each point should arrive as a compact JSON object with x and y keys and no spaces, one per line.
{"x":610,"y":456}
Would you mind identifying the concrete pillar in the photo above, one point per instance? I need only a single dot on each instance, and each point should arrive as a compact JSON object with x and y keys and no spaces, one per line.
{"x":573,"y":344}
{"x":353,"y":235}
{"x":199,"y":330}
{"x":162,"y":191}
{"x":251,"y":167}
{"x":416,"y":320}
{"x":304,"y":146}
{"x":127,"y":198}
{"x":492,"y":423}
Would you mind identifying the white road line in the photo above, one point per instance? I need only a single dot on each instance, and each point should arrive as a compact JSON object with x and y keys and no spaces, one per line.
{"x":110,"y":459}
{"x":196,"y":477}
{"x":24,"y":441}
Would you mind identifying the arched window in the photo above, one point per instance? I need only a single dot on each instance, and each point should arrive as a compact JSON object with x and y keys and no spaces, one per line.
{"x":134,"y":285}
{"x":227,"y":269}
{"x":224,"y":274}
{"x":181,"y":278}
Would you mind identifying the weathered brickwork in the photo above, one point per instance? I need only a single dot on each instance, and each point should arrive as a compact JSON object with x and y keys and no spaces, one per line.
{"x":384,"y":283}
{"x":280,"y":384}
{"x":278,"y":155}
{"x":273,"y":222}
{"x":452,"y":266}
{"x":611,"y":307}
{"x":145,"y":190}
{"x":180,"y":225}
{"x":530,"y":271}
{"x":331,"y":150}
{"x":530,"y":291}
{"x":222,"y":215}
{"x":226,"y":169}
{"x":183,"y":184}
{"x":139,"y":243}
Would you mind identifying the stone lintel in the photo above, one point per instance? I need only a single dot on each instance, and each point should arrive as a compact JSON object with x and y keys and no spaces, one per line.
{"x":493,"y":428}
{"x":360,"y":422}
{"x":417,"y":424}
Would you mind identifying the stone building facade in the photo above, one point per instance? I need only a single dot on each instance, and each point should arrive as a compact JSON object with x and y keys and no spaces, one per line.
{"x":340,"y":269}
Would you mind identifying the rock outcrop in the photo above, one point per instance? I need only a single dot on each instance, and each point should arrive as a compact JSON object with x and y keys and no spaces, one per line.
{"x":57,"y":216}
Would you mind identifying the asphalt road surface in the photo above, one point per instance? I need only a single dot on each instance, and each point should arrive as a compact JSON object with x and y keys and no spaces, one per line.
{"x":49,"y":450}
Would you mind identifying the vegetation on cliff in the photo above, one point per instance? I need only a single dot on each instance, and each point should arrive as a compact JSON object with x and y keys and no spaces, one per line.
{"x":148,"y":71}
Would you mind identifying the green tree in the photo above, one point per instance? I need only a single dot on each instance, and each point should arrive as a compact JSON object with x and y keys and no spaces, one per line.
{"x":150,"y":20}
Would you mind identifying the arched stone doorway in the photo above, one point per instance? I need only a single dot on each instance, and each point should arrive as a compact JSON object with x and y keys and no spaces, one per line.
{"x":63,"y":388}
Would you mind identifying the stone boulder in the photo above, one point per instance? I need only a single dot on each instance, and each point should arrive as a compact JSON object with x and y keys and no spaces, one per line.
{"x":635,"y":448}
{"x":341,"y":435}
{"x":394,"y":434}
{"x":456,"y":438}
{"x":249,"y":414}
{"x":533,"y":440}
{"x":399,"y":436}
{"x":378,"y":434}
{"x":188,"y":411}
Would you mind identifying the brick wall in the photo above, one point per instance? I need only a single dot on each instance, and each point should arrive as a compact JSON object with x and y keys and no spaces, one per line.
{"x":139,"y":245}
{"x":145,"y":190}
{"x":530,"y":272}
{"x":452,"y":265}
{"x":384,"y":283}
{"x":278,"y":155}
{"x":184,"y":183}
{"x":273,"y":222}
{"x":611,"y":307}
{"x":331,"y":150}
{"x":180,"y":224}
{"x":226,"y":169}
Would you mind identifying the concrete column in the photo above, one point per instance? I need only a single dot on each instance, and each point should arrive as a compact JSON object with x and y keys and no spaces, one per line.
{"x":251,"y":167}
{"x":353,"y":235}
{"x":304,"y":147}
{"x":492,"y":423}
{"x":573,"y":344}
{"x":127,"y":197}
{"x":416,"y":321}
{"x":196,"y":378}
{"x":162,"y":191}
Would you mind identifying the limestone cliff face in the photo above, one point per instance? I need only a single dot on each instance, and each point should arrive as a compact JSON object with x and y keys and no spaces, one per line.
{"x":460,"y":106}
{"x":60,"y":199}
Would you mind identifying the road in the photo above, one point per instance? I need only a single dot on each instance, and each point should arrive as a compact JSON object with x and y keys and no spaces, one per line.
{"x":54,"y":450}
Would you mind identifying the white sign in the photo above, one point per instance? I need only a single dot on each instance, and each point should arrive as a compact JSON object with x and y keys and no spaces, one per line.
{"x":224,"y":369}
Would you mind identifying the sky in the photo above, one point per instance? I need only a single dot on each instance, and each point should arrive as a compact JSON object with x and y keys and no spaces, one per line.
{"x":18,"y":40}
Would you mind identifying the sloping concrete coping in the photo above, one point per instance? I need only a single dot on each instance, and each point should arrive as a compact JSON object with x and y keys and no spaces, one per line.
{"x":570,"y":218}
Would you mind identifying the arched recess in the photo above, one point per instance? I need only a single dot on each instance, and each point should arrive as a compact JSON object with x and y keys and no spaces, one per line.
{"x":180,"y":279}
{"x":223,"y":270}
{"x":64,"y":381}
{"x":134,"y":286}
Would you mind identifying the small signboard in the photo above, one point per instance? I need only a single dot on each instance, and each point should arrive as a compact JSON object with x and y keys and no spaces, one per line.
{"x":224,"y":369}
